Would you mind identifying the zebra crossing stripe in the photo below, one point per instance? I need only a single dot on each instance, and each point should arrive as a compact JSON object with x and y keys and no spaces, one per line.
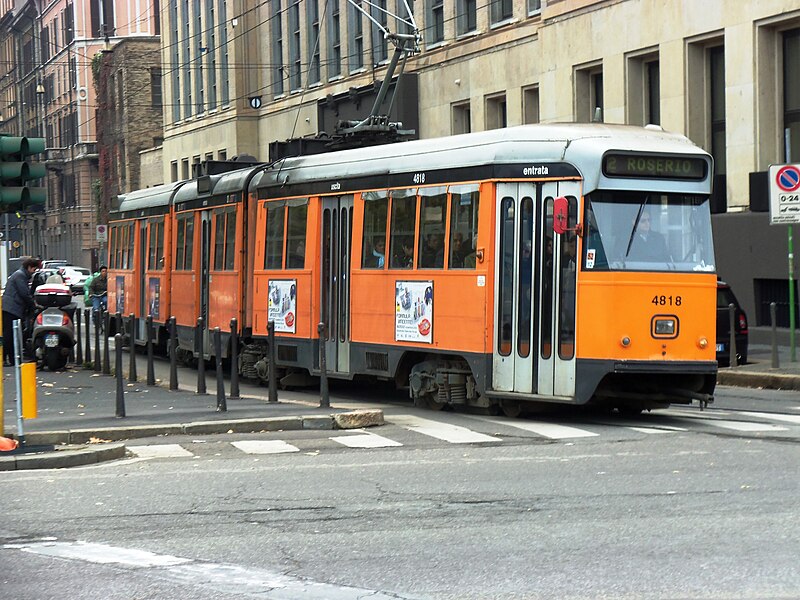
{"x":265,"y":446}
{"x":441,"y":431}
{"x":777,"y":417}
{"x":653,"y":430}
{"x":365,"y":440}
{"x":744,"y":425}
{"x":160,"y":451}
{"x":548,"y":430}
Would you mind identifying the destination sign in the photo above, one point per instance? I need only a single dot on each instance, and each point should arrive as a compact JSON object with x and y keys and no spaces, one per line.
{"x":658,"y":167}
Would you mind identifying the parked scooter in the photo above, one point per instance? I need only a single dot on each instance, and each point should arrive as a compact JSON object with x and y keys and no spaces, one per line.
{"x":53,"y":333}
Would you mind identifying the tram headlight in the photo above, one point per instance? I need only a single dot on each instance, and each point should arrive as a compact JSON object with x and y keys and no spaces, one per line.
{"x":665,"y":327}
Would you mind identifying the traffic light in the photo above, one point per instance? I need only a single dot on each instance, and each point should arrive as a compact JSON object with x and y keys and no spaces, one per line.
{"x":16,"y":171}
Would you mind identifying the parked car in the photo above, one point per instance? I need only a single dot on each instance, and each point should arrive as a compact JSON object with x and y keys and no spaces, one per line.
{"x":725,"y":297}
{"x":74,"y":277}
{"x":53,"y":264}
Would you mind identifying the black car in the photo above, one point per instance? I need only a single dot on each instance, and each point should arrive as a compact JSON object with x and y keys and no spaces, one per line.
{"x":725,"y":297}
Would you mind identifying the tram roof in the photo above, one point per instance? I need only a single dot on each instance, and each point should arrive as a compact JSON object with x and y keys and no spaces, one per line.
{"x":579,"y":144}
{"x":148,"y":198}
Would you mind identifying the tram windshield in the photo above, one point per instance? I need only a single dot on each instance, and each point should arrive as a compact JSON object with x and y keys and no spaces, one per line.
{"x":647,"y":231}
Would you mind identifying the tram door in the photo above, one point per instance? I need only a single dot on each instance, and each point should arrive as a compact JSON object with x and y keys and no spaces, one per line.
{"x":534,"y":301}
{"x":336,"y":243}
{"x":205,"y":261}
{"x":141,"y":268}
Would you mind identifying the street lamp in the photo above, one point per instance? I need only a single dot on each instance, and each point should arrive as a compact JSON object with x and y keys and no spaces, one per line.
{"x":40,"y":89}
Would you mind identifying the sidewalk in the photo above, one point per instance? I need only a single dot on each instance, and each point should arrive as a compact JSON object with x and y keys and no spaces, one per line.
{"x":77,"y":408}
{"x":759,"y":373}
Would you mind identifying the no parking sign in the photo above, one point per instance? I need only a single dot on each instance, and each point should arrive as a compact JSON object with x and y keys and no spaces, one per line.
{"x":784,"y":194}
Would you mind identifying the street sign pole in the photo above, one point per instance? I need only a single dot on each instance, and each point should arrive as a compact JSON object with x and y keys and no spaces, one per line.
{"x":792,"y":344}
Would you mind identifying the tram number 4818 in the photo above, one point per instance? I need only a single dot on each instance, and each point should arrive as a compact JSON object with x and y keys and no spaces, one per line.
{"x":666,"y":300}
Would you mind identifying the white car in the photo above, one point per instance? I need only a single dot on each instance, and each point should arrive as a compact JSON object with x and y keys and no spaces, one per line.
{"x":74,"y":277}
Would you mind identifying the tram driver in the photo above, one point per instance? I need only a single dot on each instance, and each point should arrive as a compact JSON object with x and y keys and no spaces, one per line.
{"x":647,"y":244}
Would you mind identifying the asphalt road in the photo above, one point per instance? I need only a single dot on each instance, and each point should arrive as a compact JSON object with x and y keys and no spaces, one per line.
{"x":671,"y":505}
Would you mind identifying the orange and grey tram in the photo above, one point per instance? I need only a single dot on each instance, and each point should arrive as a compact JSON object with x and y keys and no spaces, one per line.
{"x":546,"y":263}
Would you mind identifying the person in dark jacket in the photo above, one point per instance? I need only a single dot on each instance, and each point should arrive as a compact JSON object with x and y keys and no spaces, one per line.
{"x":98,"y":289}
{"x":17,"y":302}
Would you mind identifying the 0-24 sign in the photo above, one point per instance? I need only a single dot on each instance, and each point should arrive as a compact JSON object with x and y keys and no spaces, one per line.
{"x":784,"y":194}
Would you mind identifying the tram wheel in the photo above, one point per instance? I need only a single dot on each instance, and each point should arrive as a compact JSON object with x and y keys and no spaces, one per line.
{"x":511,"y":408}
{"x":433,"y":403}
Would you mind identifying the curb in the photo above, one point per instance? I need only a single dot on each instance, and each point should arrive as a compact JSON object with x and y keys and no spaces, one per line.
{"x":63,"y":458}
{"x":98,"y":450}
{"x":770,"y":381}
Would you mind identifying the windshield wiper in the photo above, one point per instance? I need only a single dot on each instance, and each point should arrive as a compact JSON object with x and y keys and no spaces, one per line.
{"x":635,"y":225}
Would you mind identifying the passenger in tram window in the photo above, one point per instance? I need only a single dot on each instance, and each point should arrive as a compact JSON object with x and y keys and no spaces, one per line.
{"x":379,"y":252}
{"x":647,"y":244}
{"x":457,"y":251}
{"x":570,"y":252}
{"x":433,"y":252}
{"x":297,"y":259}
{"x":407,"y":259}
{"x":469,"y":258}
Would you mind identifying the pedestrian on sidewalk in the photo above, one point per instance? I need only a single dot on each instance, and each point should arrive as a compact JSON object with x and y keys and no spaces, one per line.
{"x":17,"y":303}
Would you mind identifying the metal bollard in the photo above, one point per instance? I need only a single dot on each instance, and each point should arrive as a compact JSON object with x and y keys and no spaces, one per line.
{"x":97,"y":366}
{"x":234,"y":359}
{"x":222,"y":405}
{"x":151,"y":374}
{"x":201,"y":359}
{"x":173,"y":354}
{"x":273,"y":382}
{"x":774,"y":320}
{"x":734,"y":361}
{"x":324,"y":398}
{"x":87,"y":355}
{"x":118,"y":373}
{"x":106,"y":354}
{"x":118,"y":323}
{"x":132,"y":376}
{"x":79,"y":345}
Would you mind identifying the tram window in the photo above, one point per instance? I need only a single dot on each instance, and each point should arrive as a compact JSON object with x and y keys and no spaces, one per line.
{"x":404,"y":220}
{"x":113,"y":234}
{"x":155,"y":259}
{"x":505,"y":298}
{"x":376,"y":208}
{"x":127,"y":253}
{"x":548,"y":274}
{"x":566,"y":324}
{"x":463,"y":226}
{"x":219,"y":240}
{"x":230,"y":239}
{"x":296,"y":237}
{"x":183,"y":244}
{"x":432,"y":227}
{"x":524,"y":299}
{"x":273,"y":250}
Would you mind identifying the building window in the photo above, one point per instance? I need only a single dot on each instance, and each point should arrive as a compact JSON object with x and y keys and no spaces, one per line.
{"x":222,"y":155}
{"x":187,"y":43}
{"x":530,"y":105}
{"x":496,"y":117}
{"x":356,"y":36}
{"x":405,"y":11}
{"x":380,"y":48}
{"x":589,"y":94}
{"x":501,"y":10}
{"x":435,"y":31}
{"x":173,"y":167}
{"x":534,"y":7}
{"x":277,"y":49}
{"x":222,"y":19}
{"x":155,"y":88}
{"x":462,"y":116}
{"x":295,"y":67}
{"x":334,"y":40}
{"x":791,"y":95}
{"x":312,"y":16}
{"x":643,"y":89}
{"x":197,"y":42}
{"x":716,"y":71}
{"x":466,"y":16}
{"x":185,"y":168}
{"x":211,"y":55}
{"x":174,"y":66}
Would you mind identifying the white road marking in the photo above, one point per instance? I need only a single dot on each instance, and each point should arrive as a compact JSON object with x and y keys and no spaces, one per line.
{"x":685,"y":412}
{"x":654,"y":429}
{"x":365,"y":440}
{"x":265,"y":446}
{"x":441,"y":431}
{"x":548,"y":430}
{"x":744,"y":425}
{"x":225,"y":578}
{"x":774,"y":416}
{"x":160,"y":451}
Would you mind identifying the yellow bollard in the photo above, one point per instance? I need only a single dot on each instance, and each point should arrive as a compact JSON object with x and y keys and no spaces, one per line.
{"x":29,"y":390}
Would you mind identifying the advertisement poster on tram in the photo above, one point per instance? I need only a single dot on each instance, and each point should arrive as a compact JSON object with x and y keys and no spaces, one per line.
{"x":413,"y":321}
{"x":154,"y":298}
{"x":121,"y":294}
{"x":283,"y":304}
